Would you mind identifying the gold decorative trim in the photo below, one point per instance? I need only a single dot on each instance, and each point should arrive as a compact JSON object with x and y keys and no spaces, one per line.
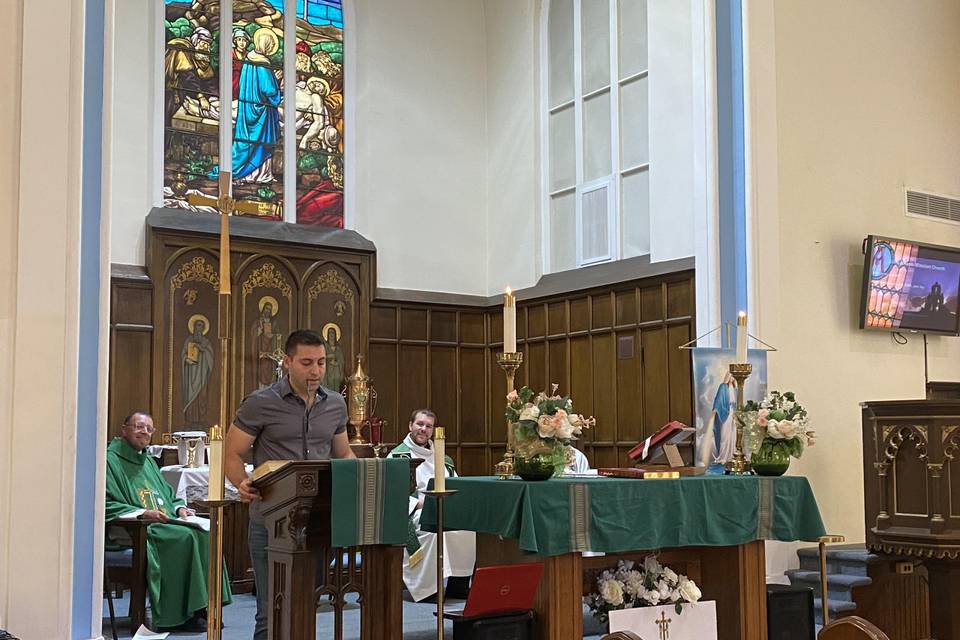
{"x":330,"y":282}
{"x":932,"y":553}
{"x":267,"y":276}
{"x":915,"y":433}
{"x":946,"y":432}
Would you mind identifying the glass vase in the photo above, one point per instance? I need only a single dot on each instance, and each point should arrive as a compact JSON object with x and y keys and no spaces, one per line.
{"x":538,"y":458}
{"x":771,"y":459}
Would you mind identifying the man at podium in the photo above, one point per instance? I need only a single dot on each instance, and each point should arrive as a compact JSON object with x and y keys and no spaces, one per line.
{"x":293,"y":419}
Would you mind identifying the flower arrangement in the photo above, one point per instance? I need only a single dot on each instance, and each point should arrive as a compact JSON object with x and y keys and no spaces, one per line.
{"x":647,"y":585}
{"x":544,"y":426}
{"x":777,"y":428}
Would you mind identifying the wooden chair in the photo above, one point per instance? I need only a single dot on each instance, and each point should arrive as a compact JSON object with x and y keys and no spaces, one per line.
{"x":129,"y":567}
{"x":851,"y":628}
{"x":621,"y":635}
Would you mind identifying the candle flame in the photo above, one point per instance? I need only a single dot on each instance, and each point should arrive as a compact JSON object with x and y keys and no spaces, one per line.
{"x":508,"y":291}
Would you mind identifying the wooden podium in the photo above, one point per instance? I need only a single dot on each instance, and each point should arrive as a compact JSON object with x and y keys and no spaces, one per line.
{"x":304,"y":567}
{"x":911,"y":486}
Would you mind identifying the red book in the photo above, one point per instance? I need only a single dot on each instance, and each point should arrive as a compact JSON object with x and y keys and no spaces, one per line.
{"x":648,"y":448}
{"x":621,"y":472}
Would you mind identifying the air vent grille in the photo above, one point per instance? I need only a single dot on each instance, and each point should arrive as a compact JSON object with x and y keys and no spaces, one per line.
{"x":929,"y":205}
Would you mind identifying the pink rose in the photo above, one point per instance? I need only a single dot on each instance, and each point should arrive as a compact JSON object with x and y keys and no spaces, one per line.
{"x":764,"y":413}
{"x":546,"y":427}
{"x":512,"y":396}
{"x":762,"y":421}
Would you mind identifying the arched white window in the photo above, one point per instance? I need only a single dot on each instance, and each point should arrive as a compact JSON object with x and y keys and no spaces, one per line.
{"x":596,"y":162}
{"x":281,"y":64}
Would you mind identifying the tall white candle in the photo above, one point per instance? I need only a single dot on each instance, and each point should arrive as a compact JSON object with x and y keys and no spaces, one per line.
{"x":215,"y":483}
{"x":439,"y":457}
{"x":742,"y":337}
{"x":509,"y":322}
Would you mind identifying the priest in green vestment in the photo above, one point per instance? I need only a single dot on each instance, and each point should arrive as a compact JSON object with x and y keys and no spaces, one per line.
{"x":177,"y":553}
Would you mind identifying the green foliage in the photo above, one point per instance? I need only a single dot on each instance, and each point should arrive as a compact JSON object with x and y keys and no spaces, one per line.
{"x":266,"y":193}
{"x":179,"y":28}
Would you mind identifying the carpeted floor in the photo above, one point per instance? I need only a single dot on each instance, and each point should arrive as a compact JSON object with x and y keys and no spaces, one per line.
{"x":419,"y":621}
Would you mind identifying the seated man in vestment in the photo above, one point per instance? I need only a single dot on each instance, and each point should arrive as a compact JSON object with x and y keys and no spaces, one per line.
{"x":579,"y":464}
{"x":177,"y":553}
{"x":459,"y":547}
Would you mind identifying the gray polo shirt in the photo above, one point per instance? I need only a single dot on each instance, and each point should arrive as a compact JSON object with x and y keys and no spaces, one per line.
{"x":284,"y":430}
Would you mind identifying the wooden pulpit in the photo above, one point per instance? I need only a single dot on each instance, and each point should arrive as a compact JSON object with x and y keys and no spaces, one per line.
{"x":304,"y":567}
{"x":911,"y":486}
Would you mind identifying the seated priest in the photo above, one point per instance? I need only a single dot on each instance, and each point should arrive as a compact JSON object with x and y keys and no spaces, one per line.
{"x":579,"y":464}
{"x":177,"y":553}
{"x":419,"y":559}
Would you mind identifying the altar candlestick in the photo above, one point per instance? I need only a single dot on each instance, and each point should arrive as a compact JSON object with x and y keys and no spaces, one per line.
{"x":509,"y":322}
{"x":742,"y":337}
{"x":215,"y":483}
{"x":439,"y":457}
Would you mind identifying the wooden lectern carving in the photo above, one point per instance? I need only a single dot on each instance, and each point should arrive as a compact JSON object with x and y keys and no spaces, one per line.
{"x":304,"y":567}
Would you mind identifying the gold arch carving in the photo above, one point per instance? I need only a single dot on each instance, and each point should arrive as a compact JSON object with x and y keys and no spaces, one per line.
{"x":894,"y":438}
{"x":267,"y":276}
{"x":330,"y":282}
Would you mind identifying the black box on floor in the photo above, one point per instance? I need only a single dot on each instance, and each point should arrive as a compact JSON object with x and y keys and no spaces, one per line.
{"x":510,"y":626}
{"x":790,"y":612}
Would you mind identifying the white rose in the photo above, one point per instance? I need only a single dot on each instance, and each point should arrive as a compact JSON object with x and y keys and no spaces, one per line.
{"x":670,"y":575}
{"x":773,"y":429}
{"x":689,"y":590}
{"x":652,"y":596}
{"x":633,"y":583}
{"x":788,"y":406}
{"x":530,"y":412}
{"x":787,"y":429}
{"x":664,"y":590}
{"x":612,"y":592}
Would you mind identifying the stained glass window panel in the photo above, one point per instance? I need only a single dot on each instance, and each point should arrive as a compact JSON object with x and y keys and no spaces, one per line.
{"x":319,"y":117}
{"x":256,"y":39}
{"x":191,"y":102}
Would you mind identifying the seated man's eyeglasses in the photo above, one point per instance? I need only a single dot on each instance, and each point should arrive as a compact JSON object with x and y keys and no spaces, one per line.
{"x":140,"y":426}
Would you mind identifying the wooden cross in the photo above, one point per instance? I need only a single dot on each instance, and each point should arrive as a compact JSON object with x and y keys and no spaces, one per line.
{"x":664,"y":624}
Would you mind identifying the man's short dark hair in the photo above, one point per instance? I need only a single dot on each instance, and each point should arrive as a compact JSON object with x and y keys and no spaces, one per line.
{"x":130,"y":417}
{"x":426,"y":412}
{"x":307,"y":337}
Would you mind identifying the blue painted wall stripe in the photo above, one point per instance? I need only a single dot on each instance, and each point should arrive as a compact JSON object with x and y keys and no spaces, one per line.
{"x":732,"y":165}
{"x":88,"y":459}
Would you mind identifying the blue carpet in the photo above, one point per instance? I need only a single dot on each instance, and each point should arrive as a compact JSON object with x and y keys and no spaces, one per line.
{"x":419,"y":623}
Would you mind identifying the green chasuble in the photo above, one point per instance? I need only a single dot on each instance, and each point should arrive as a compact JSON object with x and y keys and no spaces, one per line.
{"x":177,"y":555}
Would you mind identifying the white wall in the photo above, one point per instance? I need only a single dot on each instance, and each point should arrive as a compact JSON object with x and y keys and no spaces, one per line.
{"x":420,"y":158}
{"x":511,"y":142}
{"x":865,"y":98}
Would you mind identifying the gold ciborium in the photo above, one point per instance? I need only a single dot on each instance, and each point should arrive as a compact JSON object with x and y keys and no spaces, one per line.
{"x":361,"y":401}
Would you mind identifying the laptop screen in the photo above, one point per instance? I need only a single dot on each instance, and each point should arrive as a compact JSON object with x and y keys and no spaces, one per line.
{"x":503,"y":589}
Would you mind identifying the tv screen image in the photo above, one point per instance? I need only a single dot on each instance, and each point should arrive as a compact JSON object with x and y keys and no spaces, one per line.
{"x":910,"y":286}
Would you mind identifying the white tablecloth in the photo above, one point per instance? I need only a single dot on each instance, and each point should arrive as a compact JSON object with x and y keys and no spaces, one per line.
{"x":190,"y":484}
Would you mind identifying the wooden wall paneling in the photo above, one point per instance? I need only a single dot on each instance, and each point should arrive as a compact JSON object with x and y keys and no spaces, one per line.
{"x":680,"y":299}
{"x":536,"y":321}
{"x":495,"y":334}
{"x":579,"y":317}
{"x":629,"y":392}
{"x":558,"y":369}
{"x":383,"y":321}
{"x":535,"y":362}
{"x":412,"y":376}
{"x":474,"y":461}
{"x":603,"y":456}
{"x":602,"y":316}
{"x":496,"y":423}
{"x":581,"y":378}
{"x":681,"y":375}
{"x":557,"y":318}
{"x":604,"y":388}
{"x":471,"y":327}
{"x":656,"y":379}
{"x":383,"y":368}
{"x":443,"y":326}
{"x":130,"y":374}
{"x":413,"y":324}
{"x":473,"y":394}
{"x":626,"y":307}
{"x":443,"y":390}
{"x":651,"y":303}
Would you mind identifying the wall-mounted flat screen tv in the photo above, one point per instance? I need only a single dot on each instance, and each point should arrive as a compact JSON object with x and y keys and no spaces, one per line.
{"x":910,"y":286}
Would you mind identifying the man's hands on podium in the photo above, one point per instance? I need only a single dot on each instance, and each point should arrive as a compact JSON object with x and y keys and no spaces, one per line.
{"x":248,"y":493}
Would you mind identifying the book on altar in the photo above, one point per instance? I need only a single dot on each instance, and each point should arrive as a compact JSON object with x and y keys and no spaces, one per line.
{"x":670,"y":433}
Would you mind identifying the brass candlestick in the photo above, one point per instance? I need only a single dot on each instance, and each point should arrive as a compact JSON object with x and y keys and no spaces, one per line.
{"x":509,"y":362}
{"x":739,"y":465}
{"x":440,"y":495}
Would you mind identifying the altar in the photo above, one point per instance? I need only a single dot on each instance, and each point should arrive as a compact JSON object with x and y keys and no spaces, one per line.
{"x":715,"y":525}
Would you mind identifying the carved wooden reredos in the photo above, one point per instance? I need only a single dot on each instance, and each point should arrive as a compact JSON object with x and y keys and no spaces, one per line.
{"x":282,"y":280}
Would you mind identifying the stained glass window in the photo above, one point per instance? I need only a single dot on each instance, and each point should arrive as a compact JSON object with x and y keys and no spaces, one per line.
{"x":259,"y":120}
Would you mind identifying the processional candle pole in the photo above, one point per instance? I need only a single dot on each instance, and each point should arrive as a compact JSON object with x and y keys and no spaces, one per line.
{"x":226,"y":205}
{"x":510,"y":360}
{"x":740,"y":370}
{"x":439,"y":492}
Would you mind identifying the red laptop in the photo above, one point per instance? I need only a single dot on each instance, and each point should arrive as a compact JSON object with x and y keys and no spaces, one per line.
{"x":502,"y":589}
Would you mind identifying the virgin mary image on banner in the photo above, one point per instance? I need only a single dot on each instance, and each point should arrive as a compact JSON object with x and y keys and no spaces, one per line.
{"x":716,"y":401}
{"x":258,"y":115}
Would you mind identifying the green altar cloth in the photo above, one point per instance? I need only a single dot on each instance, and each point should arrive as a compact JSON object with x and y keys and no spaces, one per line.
{"x":564,"y":515}
{"x":369,"y":501}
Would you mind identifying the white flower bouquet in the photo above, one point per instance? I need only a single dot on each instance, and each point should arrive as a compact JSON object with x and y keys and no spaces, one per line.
{"x":778,"y":421}
{"x":647,"y":585}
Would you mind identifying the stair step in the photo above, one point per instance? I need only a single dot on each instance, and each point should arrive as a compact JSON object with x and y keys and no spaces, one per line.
{"x":841,"y":559}
{"x":835,"y":606}
{"x":842,"y":580}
